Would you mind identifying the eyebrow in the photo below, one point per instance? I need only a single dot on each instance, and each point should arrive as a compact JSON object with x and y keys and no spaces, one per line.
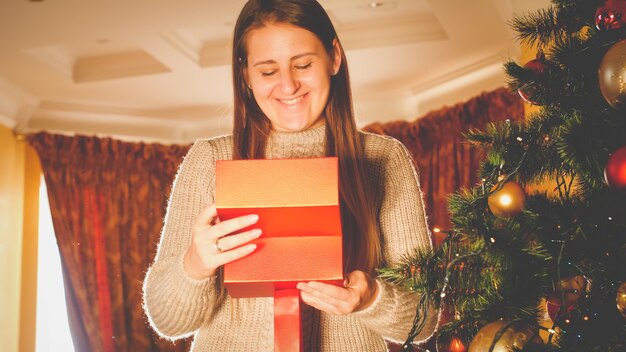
{"x":265,"y":62}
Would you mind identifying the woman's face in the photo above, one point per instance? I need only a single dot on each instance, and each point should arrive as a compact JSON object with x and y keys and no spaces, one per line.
{"x":289,"y":73}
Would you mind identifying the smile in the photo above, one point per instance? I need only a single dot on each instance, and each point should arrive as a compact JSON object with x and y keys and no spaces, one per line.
{"x":293,"y":101}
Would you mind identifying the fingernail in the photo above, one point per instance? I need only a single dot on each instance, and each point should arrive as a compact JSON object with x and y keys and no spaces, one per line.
{"x":256,"y":233}
{"x":251,"y":247}
{"x":253,"y":218}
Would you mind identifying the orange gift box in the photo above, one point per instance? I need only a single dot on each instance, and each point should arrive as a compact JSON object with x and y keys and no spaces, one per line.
{"x":297,"y":201}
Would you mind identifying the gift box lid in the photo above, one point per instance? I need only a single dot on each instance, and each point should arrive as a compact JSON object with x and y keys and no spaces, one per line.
{"x":277,"y":183}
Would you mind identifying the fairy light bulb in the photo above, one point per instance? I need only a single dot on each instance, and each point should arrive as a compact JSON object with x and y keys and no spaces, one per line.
{"x":508,"y":201}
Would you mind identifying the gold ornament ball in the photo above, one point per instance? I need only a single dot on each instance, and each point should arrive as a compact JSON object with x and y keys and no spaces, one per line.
{"x":612,"y":75}
{"x":516,"y":335}
{"x":508,"y":201}
{"x":621,"y":299}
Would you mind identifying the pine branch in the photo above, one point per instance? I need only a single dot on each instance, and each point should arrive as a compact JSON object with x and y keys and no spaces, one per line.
{"x":537,"y":28}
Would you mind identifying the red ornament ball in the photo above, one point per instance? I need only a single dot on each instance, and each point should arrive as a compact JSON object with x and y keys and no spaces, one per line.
{"x":553,"y":306}
{"x":446,"y":343}
{"x":615,"y":170}
{"x":537,"y":66}
{"x":611,"y":16}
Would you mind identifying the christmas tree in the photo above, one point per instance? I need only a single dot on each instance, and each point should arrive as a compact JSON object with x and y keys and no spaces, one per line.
{"x":536,"y":256}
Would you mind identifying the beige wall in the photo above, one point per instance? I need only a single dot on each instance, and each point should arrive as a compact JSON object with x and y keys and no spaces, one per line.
{"x":19,"y":172}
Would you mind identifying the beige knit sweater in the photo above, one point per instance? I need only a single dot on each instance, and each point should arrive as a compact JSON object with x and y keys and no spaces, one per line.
{"x":178,"y":305}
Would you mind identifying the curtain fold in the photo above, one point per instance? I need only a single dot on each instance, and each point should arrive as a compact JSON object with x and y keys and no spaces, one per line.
{"x":445,"y":163}
{"x":108,"y":200}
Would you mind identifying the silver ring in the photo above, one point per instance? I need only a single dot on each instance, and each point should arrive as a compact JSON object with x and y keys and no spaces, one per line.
{"x":217,"y":246}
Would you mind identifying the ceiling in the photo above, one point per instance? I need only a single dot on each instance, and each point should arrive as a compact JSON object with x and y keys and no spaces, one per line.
{"x":159,"y":70}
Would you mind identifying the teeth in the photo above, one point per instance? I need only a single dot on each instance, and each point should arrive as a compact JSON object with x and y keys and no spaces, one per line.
{"x":292,"y":101}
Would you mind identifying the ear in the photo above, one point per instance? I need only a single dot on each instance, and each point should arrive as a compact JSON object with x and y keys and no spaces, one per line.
{"x":336,"y":57}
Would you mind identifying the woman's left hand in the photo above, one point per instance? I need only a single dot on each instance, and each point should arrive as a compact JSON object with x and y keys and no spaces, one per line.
{"x":358,"y":293}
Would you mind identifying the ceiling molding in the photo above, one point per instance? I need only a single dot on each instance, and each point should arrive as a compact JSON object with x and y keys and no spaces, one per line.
{"x":127,"y":123}
{"x":460,"y":88}
{"x":56,"y":57}
{"x":161,"y":47}
{"x":216,"y":53}
{"x":185,"y":42}
{"x":16,"y":105}
{"x":462,"y":71}
{"x":394,"y":31}
{"x":120,"y":65}
{"x":7,"y":121}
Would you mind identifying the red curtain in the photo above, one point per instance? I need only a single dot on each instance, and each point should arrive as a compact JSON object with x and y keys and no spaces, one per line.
{"x":444,"y":161}
{"x":107,"y":200}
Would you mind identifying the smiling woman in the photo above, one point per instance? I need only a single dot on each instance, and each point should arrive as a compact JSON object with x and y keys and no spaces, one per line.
{"x":292,"y":99}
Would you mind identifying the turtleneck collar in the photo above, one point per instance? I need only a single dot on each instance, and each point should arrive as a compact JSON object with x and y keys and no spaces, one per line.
{"x":300,"y":144}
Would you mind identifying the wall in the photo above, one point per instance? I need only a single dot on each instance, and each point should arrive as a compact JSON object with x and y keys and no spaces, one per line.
{"x":19,"y":184}
{"x":11,"y":214}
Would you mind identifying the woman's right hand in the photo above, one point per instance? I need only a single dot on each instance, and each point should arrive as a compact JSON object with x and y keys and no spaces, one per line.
{"x":211,"y":247}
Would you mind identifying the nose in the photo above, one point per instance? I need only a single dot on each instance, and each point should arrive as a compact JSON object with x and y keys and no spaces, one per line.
{"x":288,"y":82}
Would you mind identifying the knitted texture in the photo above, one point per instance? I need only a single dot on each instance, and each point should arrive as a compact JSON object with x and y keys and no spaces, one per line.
{"x":178,"y":305}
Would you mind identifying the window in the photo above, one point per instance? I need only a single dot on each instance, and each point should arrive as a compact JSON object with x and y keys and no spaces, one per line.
{"x":53,"y":332}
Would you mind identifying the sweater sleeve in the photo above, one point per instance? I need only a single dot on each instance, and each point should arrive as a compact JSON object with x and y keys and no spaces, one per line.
{"x":175,"y":303}
{"x":403,"y":228}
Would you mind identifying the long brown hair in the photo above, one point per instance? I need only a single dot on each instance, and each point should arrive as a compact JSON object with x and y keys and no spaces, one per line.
{"x":361,"y":240}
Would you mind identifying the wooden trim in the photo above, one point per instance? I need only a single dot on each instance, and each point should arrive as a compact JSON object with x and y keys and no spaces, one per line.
{"x":30,"y":239}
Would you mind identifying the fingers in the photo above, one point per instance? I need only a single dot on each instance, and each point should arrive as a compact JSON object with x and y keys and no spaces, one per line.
{"x":233,"y":241}
{"x":328,"y":298}
{"x":323,"y":290}
{"x":358,"y":293}
{"x":234,"y":254}
{"x":320,"y":304}
{"x":204,"y":256}
{"x":226,"y":227}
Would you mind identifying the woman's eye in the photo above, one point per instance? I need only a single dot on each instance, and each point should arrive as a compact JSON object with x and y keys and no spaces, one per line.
{"x":303,"y":67}
{"x":268,"y":74}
